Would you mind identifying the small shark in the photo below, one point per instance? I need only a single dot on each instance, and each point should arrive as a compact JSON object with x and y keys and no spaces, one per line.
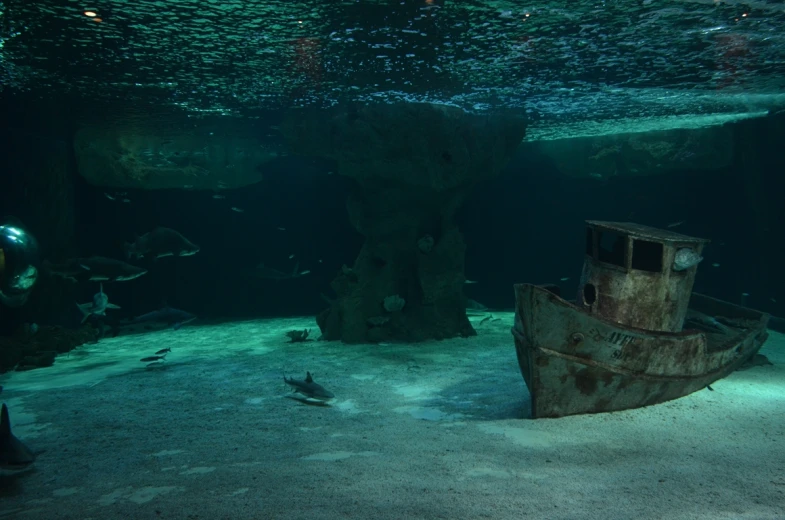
{"x":475,"y":308}
{"x":308,"y":388}
{"x":758,"y":360}
{"x":98,"y":306}
{"x":15,"y":457}
{"x":172,"y":317}
{"x":161,"y":242}
{"x":268,"y":273}
{"x":95,"y":269}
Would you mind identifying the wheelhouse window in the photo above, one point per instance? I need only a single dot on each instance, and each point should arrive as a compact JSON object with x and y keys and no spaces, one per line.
{"x":612,"y":248}
{"x":590,"y":241}
{"x":647,"y":256}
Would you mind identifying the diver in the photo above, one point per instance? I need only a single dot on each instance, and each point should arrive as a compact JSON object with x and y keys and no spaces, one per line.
{"x":18,"y":263}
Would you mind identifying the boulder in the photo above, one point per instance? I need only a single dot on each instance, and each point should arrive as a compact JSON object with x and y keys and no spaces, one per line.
{"x":413,"y":167}
{"x":157,"y":157}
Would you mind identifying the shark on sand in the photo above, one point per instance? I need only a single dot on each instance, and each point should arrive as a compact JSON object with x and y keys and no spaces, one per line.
{"x":15,"y":457}
{"x":309,"y":388}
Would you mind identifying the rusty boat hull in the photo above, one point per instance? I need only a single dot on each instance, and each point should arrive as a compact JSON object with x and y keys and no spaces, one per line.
{"x":574,"y":362}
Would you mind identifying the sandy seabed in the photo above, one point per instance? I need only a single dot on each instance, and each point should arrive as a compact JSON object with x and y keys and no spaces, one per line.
{"x":434,"y":430}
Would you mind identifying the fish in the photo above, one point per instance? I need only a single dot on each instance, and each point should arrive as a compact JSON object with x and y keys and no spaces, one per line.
{"x":758,"y":360}
{"x":298,"y":336}
{"x":164,"y":351}
{"x":15,"y":457}
{"x":237,"y":210}
{"x":705,"y":322}
{"x":98,"y":306}
{"x":308,"y":388}
{"x":153,"y":358}
{"x":475,"y":308}
{"x":269,"y":273}
{"x":95,"y":269}
{"x":170,"y":316}
{"x":161,"y":242}
{"x":686,"y":258}
{"x":676,"y":224}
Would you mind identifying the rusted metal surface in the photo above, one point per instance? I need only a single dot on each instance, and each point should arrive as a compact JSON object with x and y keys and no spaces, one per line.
{"x":574,"y":361}
{"x":654,"y":300}
{"x":645,"y":232}
{"x":646,"y":300}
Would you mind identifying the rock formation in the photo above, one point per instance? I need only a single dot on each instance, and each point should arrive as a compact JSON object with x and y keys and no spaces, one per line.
{"x":414,"y":164}
{"x":155,"y":155}
{"x":638,"y":154}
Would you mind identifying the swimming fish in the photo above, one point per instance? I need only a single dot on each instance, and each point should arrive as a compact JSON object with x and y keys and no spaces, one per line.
{"x":308,"y":388}
{"x":153,"y":358}
{"x":686,"y":258}
{"x":98,"y":306}
{"x":475,"y":308}
{"x":170,"y":316}
{"x":269,"y":273}
{"x":95,"y":269}
{"x":161,"y":242}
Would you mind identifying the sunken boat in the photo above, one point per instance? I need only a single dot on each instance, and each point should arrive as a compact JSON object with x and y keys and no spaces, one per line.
{"x":636,"y":335}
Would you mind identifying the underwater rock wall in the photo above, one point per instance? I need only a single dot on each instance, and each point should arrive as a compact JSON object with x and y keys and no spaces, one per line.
{"x":636,"y":154}
{"x":157,"y":156}
{"x":414,"y":165}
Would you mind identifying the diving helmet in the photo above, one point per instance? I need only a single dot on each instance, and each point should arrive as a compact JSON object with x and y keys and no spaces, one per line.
{"x":18,"y":264}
